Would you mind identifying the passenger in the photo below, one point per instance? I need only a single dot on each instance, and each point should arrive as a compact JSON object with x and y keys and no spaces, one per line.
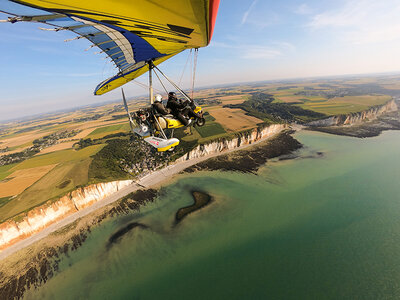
{"x":159,"y":107}
{"x":180,"y":109}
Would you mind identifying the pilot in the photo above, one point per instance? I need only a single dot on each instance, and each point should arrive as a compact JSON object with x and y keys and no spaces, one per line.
{"x":159,"y":107}
{"x":180,"y":109}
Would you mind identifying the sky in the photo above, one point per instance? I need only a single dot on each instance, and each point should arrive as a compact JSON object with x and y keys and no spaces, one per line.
{"x":254,"y":40}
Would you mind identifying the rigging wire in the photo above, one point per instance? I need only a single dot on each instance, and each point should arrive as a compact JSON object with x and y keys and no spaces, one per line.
{"x":104,"y":68}
{"x":145,"y":86}
{"x":184,"y":69}
{"x":191,"y":72}
{"x":159,"y":79}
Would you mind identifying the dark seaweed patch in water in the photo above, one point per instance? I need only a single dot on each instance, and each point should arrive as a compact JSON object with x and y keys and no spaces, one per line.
{"x":116,"y":237}
{"x":251,"y":159}
{"x":44,"y":265}
{"x":200,"y":200}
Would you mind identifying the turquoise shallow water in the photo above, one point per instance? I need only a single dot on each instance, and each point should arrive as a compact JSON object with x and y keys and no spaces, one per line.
{"x":317,"y":227}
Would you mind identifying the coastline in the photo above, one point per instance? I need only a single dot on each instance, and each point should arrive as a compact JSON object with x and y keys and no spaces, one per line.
{"x":389,"y":121}
{"x":31,"y":262}
{"x":45,"y":219}
{"x":365,"y":124}
{"x":152,"y":180}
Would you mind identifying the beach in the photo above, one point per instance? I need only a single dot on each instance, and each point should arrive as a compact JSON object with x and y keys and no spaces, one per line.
{"x":37,"y":251}
{"x":151,"y":180}
{"x":320,"y":215}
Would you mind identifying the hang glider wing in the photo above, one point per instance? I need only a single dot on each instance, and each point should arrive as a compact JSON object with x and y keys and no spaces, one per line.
{"x":131,"y":33}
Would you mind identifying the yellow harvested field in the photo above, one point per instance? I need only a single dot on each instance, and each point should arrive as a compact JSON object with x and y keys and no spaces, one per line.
{"x":60,"y":146}
{"x":367,"y":100}
{"x":83,"y":134}
{"x":21,"y":139}
{"x":22,"y":179}
{"x":234,"y":119}
{"x":98,"y":123}
{"x":103,"y":134}
{"x":290,"y":99}
{"x":234,"y":99}
{"x":58,"y":157}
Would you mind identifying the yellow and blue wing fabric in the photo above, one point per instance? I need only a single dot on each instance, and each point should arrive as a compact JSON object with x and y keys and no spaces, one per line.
{"x":131,"y":32}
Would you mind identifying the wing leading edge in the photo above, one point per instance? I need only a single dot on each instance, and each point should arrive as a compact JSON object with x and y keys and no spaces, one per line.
{"x":131,"y":33}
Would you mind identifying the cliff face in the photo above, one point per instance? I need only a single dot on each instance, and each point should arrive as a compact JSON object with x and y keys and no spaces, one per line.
{"x":237,"y":141}
{"x":45,"y":215}
{"x":357,"y":118}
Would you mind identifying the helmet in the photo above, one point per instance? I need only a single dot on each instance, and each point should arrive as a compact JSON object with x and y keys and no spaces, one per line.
{"x":158,"y":98}
{"x":171,"y":95}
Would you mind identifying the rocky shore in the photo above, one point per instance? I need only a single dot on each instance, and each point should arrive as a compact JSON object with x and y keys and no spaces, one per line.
{"x":26,"y":227}
{"x":369,"y":123}
{"x":251,"y":159}
{"x":389,"y":121}
{"x":35,"y":264}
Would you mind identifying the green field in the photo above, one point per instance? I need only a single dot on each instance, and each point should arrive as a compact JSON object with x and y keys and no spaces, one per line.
{"x":5,"y":171}
{"x":71,"y":171}
{"x":48,"y":187}
{"x":209,"y":118}
{"x":103,"y":131}
{"x":210,"y":129}
{"x":187,"y":135}
{"x":58,"y":157}
{"x":4,"y":201}
{"x":345,"y":105}
{"x":99,"y":163}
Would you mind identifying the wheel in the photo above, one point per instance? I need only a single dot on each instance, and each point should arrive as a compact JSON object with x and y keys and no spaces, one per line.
{"x":200,"y":122}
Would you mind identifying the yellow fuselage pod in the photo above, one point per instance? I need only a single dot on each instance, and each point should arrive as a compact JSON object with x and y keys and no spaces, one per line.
{"x":166,"y":148}
{"x":197,"y":109}
{"x":162,"y":144}
{"x":172,"y":123}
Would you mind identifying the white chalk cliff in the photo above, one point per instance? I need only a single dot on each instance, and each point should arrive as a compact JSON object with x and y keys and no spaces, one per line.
{"x":238,"y":140}
{"x":43,"y":216}
{"x":37,"y":219}
{"x":357,"y":118}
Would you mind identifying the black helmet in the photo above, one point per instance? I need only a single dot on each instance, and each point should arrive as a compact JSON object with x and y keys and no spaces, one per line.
{"x":171,"y":95}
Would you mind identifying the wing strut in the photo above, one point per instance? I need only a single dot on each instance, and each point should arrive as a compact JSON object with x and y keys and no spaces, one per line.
{"x":196,"y":54}
{"x":151,"y":91}
{"x":131,"y":122}
{"x":174,"y":85}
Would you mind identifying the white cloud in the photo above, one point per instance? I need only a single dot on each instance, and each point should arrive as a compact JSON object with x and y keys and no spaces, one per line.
{"x":251,"y":51}
{"x":247,"y":12}
{"x":261,"y":52}
{"x":261,"y":17}
{"x":362,"y":21}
